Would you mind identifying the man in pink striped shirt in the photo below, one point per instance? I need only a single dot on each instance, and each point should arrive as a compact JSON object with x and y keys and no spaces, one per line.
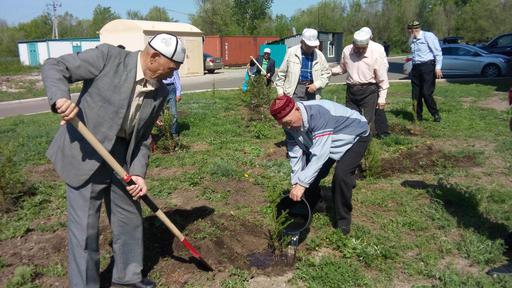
{"x":367,"y":75}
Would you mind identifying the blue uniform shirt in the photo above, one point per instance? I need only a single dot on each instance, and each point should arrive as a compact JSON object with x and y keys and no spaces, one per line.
{"x":425,"y":48}
{"x":175,"y":79}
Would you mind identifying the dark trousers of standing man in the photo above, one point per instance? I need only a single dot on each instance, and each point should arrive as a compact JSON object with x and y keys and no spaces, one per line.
{"x":301,"y":92}
{"x":343,"y":182}
{"x":363,"y":98}
{"x":423,"y":80}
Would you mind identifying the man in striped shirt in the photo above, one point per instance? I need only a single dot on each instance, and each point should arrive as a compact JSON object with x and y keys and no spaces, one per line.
{"x":320,"y":133}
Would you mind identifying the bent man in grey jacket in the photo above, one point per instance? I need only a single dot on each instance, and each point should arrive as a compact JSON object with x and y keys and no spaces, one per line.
{"x":121,"y":98}
{"x":320,"y":133}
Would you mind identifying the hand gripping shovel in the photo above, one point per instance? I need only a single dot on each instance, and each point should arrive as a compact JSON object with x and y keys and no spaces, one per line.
{"x":129,"y":181}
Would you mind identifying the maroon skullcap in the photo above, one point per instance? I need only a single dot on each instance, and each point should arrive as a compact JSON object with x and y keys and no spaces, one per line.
{"x":281,"y":107}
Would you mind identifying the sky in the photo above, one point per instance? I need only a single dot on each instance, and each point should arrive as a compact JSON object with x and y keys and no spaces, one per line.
{"x":16,"y":11}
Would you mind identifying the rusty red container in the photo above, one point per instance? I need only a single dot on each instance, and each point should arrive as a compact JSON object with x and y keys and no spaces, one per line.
{"x":235,"y":50}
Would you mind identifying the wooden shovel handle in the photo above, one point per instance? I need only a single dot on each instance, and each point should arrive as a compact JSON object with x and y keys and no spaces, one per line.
{"x":258,"y":64}
{"x":123,"y":174}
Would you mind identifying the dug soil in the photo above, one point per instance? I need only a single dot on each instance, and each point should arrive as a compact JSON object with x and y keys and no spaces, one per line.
{"x":425,"y":158}
{"x":229,"y":234}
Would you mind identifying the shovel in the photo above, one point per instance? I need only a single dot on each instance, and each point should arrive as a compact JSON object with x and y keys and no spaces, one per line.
{"x":129,"y":181}
{"x":259,"y":66}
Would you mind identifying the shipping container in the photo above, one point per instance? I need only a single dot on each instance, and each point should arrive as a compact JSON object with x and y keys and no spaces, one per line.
{"x":235,"y":50}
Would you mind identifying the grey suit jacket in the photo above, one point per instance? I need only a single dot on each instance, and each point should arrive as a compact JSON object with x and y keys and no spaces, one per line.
{"x":109,"y":76}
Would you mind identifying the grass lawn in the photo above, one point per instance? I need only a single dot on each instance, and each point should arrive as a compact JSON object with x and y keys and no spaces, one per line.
{"x":432,"y":213}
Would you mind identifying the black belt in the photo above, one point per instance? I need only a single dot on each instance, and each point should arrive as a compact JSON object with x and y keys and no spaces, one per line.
{"x":305,"y":82}
{"x":431,"y":62}
{"x":361,"y":84}
{"x":170,"y":84}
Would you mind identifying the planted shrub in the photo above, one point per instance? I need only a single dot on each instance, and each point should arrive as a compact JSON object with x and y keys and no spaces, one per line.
{"x":258,"y":98}
{"x":163,"y":140}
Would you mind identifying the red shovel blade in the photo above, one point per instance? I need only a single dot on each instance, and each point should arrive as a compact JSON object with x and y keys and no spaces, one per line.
{"x":196,"y":254}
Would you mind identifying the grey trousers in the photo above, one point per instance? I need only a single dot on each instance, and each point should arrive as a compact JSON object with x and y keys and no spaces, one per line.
{"x":301,"y":93}
{"x":125,"y":217}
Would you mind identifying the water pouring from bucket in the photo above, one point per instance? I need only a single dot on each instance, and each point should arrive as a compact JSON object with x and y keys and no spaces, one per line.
{"x":297,"y":216}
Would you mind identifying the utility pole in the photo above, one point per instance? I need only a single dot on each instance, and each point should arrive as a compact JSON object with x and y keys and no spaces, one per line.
{"x":55,"y":25}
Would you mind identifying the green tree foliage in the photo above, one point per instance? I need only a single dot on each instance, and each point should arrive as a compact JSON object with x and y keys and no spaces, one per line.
{"x":324,"y":16}
{"x":8,"y":38}
{"x":101,"y":16}
{"x":282,"y":26}
{"x":37,"y":28}
{"x":134,"y":15}
{"x":158,"y":14}
{"x":250,"y":14}
{"x":214,"y":17}
{"x":475,"y":20}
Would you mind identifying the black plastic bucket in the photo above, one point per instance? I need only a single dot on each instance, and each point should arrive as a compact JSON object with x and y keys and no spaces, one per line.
{"x":298,"y":212}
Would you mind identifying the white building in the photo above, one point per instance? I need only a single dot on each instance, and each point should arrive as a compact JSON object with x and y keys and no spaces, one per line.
{"x":34,"y":52}
{"x":135,"y":34}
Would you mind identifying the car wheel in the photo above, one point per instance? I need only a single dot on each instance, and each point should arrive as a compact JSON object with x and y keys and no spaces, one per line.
{"x":491,"y":71}
{"x":211,"y":71}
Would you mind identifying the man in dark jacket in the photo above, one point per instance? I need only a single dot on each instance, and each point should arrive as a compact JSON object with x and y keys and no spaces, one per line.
{"x":268,"y":64}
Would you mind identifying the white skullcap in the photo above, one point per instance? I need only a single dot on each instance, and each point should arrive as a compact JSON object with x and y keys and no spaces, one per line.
{"x":367,"y":30}
{"x":310,"y":36}
{"x":361,"y":38}
{"x":266,"y":50}
{"x":170,"y":46}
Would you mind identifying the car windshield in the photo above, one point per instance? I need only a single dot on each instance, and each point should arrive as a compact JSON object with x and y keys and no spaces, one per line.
{"x":207,"y":55}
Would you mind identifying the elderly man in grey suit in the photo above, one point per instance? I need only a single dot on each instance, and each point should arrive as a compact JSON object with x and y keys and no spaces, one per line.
{"x":121,"y":98}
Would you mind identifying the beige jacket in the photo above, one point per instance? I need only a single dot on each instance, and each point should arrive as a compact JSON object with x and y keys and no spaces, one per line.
{"x":289,"y":72}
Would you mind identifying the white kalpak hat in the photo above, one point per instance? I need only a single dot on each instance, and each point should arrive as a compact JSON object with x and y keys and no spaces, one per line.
{"x":266,"y":50}
{"x":310,"y":36}
{"x":367,"y":30}
{"x":361,"y":37}
{"x":170,"y":46}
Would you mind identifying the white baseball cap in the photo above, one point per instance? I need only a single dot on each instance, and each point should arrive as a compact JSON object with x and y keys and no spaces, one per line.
{"x":310,"y":36}
{"x":367,"y":30}
{"x":170,"y":46}
{"x":361,"y":37}
{"x":266,"y":50}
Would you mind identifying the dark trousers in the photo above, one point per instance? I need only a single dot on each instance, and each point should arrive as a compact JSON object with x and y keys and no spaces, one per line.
{"x":363,"y":98}
{"x":301,"y":92}
{"x":343,"y":181}
{"x":381,"y":122}
{"x":423,"y":80}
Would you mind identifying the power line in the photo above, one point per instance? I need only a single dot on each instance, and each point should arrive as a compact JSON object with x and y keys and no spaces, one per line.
{"x":179,"y":12}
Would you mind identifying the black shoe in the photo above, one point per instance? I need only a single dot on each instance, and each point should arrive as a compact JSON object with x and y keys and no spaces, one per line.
{"x":437,"y":118}
{"x":383,"y":135}
{"x":504,"y":270}
{"x":344,"y":226}
{"x":320,"y":207}
{"x":144,"y":283}
{"x":419,"y":118}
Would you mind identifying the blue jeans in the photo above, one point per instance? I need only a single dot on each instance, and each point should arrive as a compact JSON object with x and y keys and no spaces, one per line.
{"x":173,"y":108}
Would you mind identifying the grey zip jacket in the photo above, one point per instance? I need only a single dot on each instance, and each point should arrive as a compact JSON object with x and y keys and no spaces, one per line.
{"x":328,"y":130}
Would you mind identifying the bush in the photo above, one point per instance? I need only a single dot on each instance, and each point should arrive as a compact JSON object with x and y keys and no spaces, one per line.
{"x":258,"y":98}
{"x":162,"y":137}
{"x":12,"y":182}
{"x":12,"y":66}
